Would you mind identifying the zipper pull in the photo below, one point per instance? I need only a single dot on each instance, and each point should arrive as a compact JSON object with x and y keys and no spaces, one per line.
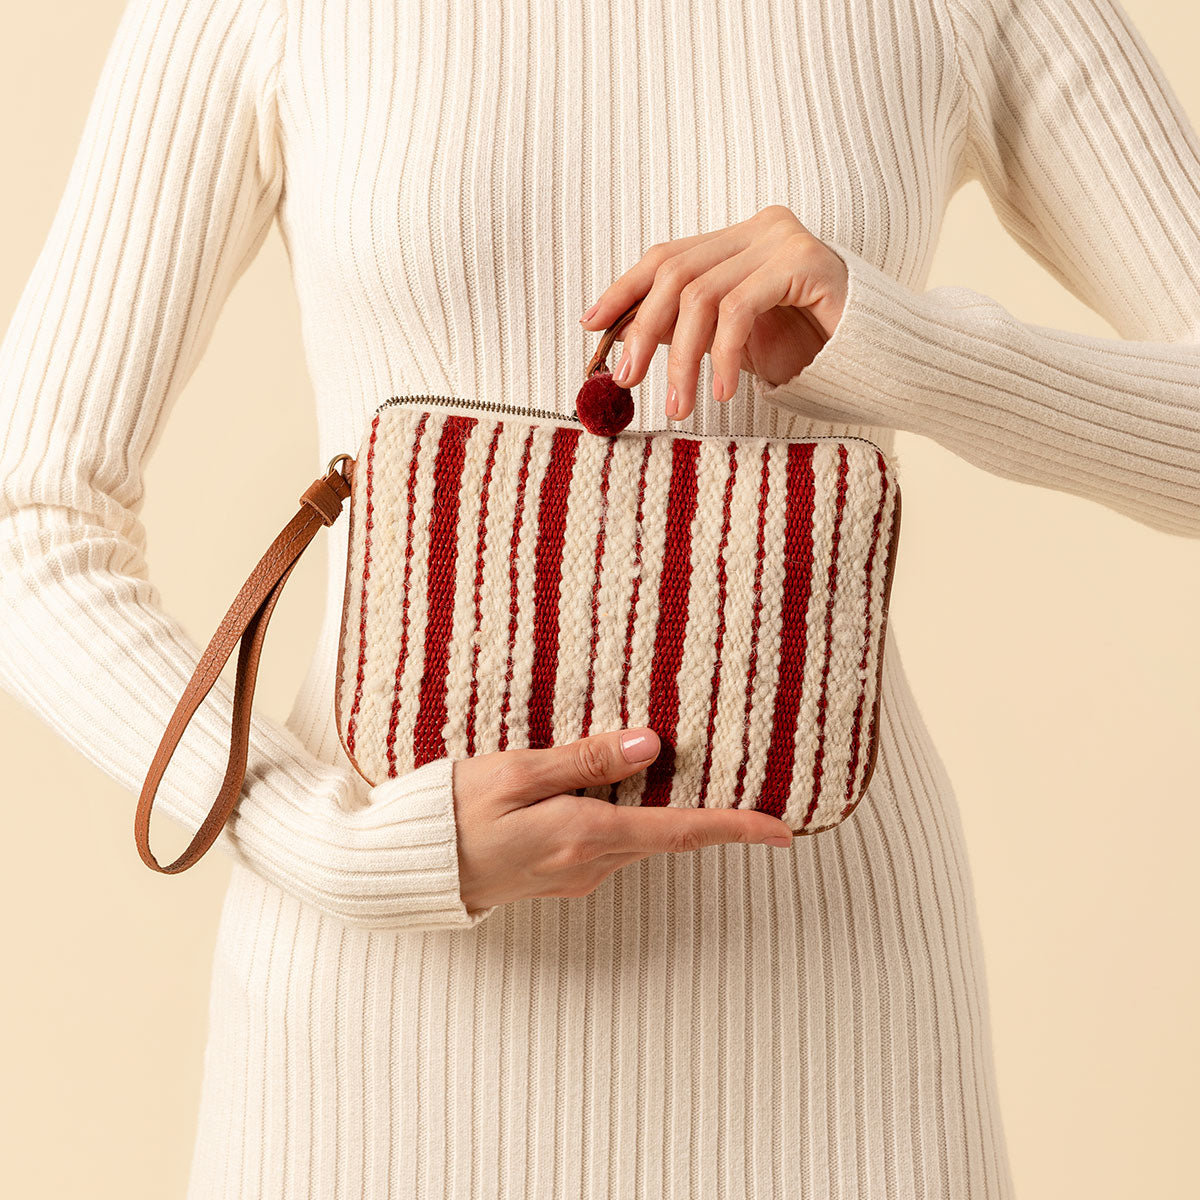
{"x":605,"y":407}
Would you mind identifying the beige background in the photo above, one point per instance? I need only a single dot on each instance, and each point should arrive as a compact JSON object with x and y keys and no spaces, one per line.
{"x":1053,"y":646}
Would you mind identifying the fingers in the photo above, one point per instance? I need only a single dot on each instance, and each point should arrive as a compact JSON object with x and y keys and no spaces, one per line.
{"x":718,"y":311}
{"x":738,"y":307}
{"x":704,"y":309}
{"x":675,"y":292}
{"x":704,"y":294}
{"x":631,"y":829}
{"x":526,"y":775}
{"x":680,"y":297}
{"x":586,"y":869}
{"x":583,"y":856}
{"x":636,"y":282}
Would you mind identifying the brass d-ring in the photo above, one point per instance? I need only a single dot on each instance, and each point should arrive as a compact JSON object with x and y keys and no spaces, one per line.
{"x":338,"y":458}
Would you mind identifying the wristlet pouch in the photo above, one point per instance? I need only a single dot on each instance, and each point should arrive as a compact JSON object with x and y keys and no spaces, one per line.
{"x":520,"y":579}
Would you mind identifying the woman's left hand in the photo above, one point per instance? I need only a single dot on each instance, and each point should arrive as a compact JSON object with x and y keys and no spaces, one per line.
{"x":764,"y":295}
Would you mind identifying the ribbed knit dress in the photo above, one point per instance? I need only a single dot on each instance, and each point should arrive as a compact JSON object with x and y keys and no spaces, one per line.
{"x":456,"y":182}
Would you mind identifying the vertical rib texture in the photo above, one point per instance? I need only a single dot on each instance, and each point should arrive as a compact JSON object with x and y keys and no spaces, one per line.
{"x":1094,"y":169}
{"x":455,"y":184}
{"x":171,"y":192}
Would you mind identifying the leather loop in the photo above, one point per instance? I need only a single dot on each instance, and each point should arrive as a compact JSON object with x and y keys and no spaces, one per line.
{"x":323,"y":499}
{"x":244,"y":623}
{"x":610,"y":335}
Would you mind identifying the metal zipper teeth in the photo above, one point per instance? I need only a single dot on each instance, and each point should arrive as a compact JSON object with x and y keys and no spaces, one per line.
{"x":486,"y":405}
{"x":517,"y":411}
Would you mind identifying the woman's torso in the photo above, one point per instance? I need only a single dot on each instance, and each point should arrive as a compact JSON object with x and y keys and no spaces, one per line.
{"x":462,"y":181}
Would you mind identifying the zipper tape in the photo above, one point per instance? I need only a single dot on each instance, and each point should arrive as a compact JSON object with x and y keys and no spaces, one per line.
{"x":559,"y":418}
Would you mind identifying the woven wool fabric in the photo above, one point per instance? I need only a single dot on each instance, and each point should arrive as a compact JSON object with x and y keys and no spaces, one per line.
{"x":523,"y":583}
{"x":455,"y":183}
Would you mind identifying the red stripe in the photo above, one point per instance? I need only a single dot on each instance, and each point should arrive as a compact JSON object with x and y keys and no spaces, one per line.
{"x":633,"y":599}
{"x":793,"y":639}
{"x":671,"y":628}
{"x":513,"y":596}
{"x":588,"y":699}
{"x":715,"y":686}
{"x":408,"y":543}
{"x":833,"y":567}
{"x":547,"y":582}
{"x":362,"y":607}
{"x":862,"y":662}
{"x":429,"y":740}
{"x":480,"y":553}
{"x":760,"y":551}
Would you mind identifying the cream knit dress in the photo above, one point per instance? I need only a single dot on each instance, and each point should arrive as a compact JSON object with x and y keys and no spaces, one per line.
{"x":456,"y":182}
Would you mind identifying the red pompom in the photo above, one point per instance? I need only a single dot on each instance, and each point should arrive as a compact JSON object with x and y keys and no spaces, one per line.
{"x":603,"y":406}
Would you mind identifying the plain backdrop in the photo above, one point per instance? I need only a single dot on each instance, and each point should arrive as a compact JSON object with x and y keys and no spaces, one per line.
{"x":1053,"y":646}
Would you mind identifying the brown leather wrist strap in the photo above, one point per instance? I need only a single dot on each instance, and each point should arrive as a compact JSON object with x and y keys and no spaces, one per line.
{"x":245,"y":622}
{"x":609,"y":336}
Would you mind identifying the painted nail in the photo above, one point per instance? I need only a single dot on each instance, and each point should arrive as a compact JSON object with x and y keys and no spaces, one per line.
{"x":591,"y":312}
{"x":638,"y":744}
{"x":622,"y":371}
{"x":718,"y":387}
{"x":777,"y":841}
{"x":672,"y":403}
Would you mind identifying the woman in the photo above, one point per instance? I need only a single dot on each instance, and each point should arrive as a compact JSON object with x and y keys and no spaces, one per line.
{"x":427,"y":1005}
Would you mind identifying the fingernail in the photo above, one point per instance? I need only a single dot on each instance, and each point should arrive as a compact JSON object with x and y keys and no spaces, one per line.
{"x":672,"y":403}
{"x":638,"y":745}
{"x":718,"y":387}
{"x":591,"y":312}
{"x":622,"y":371}
{"x":777,"y":841}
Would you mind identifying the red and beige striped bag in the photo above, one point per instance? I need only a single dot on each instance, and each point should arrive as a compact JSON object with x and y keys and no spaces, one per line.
{"x":516,"y":579}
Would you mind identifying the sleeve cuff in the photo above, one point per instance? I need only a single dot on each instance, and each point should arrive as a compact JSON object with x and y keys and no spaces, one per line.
{"x":402,"y":855}
{"x":856,"y":367}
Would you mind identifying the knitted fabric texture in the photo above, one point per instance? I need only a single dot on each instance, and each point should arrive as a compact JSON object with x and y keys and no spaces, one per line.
{"x":519,"y":582}
{"x":455,"y":184}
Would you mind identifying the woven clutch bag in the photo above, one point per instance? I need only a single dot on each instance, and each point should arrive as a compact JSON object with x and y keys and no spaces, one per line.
{"x":516,"y":579}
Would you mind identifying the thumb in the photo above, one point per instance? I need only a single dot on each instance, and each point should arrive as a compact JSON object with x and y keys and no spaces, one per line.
{"x":535,"y":773}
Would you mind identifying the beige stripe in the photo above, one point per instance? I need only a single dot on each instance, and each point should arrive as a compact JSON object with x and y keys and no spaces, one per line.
{"x":351,"y":637}
{"x":617,"y":574}
{"x":767,"y":672}
{"x":517,"y":719}
{"x":849,"y":619}
{"x":463,"y":637}
{"x":878,"y":580}
{"x":387,"y":588}
{"x":825,"y":469}
{"x":495,"y":600}
{"x":740,"y":554}
{"x":654,"y":528}
{"x":699,"y":648}
{"x":585,"y":514}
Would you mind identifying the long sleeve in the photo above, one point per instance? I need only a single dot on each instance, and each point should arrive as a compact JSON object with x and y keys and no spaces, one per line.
{"x":1093,"y":167}
{"x":171,"y":193}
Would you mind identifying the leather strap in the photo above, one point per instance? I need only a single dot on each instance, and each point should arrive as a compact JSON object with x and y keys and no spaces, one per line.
{"x":609,"y":336}
{"x":244,"y":623}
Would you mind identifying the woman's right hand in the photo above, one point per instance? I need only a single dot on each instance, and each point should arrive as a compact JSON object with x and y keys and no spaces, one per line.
{"x":523,"y":833}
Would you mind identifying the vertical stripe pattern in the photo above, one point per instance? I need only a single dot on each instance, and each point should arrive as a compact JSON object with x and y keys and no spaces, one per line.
{"x":455,"y":183}
{"x":652,"y":552}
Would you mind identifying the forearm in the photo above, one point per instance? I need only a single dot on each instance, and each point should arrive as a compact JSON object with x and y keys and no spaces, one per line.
{"x":1114,"y":420}
{"x":86,"y":645}
{"x":172,"y":191}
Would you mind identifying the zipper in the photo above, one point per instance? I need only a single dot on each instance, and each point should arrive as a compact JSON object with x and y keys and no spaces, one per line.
{"x":518,"y":411}
{"x":485,"y":405}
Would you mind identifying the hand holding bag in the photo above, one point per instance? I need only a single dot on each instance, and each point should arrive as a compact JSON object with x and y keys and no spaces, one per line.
{"x":521,"y":579}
